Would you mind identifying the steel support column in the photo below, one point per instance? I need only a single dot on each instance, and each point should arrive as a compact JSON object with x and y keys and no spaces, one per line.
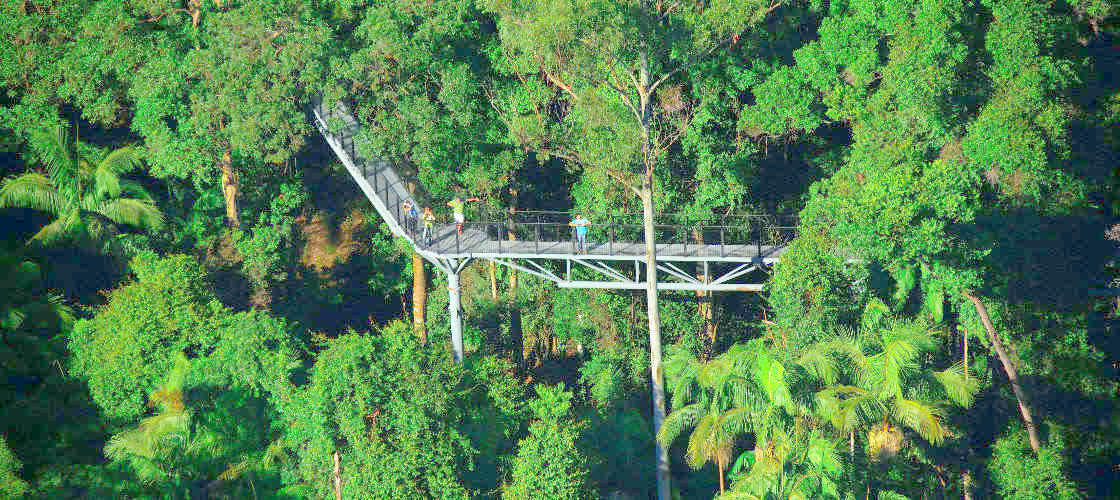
{"x":456,"y":320}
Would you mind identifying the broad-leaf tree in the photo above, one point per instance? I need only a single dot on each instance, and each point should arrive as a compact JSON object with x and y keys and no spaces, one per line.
{"x":548,"y":463}
{"x":377,"y":420}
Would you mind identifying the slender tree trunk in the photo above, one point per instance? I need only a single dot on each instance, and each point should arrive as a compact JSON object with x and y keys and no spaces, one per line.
{"x":705,"y":299}
{"x":230,"y":189}
{"x":493,"y":281}
{"x":966,"y":485}
{"x":515,"y":332}
{"x":965,"y":330}
{"x":337,"y":476}
{"x":719,"y":465}
{"x":657,"y":378}
{"x":852,"y":455}
{"x":419,"y":297}
{"x":1009,"y":369}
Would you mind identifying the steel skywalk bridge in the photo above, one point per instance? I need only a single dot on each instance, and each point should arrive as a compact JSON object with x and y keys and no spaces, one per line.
{"x":739,"y":249}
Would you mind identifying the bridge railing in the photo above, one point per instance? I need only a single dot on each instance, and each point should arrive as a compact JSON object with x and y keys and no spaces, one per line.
{"x":753,"y":233}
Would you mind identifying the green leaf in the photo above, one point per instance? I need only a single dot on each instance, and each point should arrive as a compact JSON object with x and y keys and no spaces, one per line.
{"x":906,"y":278}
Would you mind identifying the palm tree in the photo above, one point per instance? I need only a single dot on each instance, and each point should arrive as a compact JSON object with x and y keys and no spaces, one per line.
{"x":23,"y":303}
{"x":890,"y":389}
{"x":87,"y":199}
{"x":795,"y":465}
{"x":745,"y":389}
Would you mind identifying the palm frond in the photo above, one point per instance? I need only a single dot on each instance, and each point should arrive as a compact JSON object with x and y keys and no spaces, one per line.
{"x":32,"y":190}
{"x":906,"y":277}
{"x":11,"y":317}
{"x":923,"y":418}
{"x":771,"y":376}
{"x":713,"y":373}
{"x":873,"y":314}
{"x":959,"y":390}
{"x":60,"y":158}
{"x":818,"y":362}
{"x":822,"y":454}
{"x":736,"y":421}
{"x":106,"y":183}
{"x":145,"y":440}
{"x":848,"y":406}
{"x":55,"y":231}
{"x":734,"y":494}
{"x":680,"y":368}
{"x":676,"y":422}
{"x":235,"y":470}
{"x":702,"y":442}
{"x":133,"y":189}
{"x":107,"y":175}
{"x":121,"y":160}
{"x":131,"y":212}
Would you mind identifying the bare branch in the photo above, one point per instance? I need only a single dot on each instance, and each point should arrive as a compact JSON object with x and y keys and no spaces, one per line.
{"x":629,"y":185}
{"x":557,"y":82}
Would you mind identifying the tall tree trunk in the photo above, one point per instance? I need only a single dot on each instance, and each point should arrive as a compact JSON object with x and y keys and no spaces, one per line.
{"x":230,"y":189}
{"x":1009,"y":369}
{"x":705,"y":306}
{"x":419,"y":297}
{"x":515,"y":332}
{"x":852,"y":455}
{"x":965,"y":330}
{"x":657,"y":378}
{"x":493,"y":281}
{"x":719,"y":466}
{"x":337,"y":476}
{"x":966,"y":485}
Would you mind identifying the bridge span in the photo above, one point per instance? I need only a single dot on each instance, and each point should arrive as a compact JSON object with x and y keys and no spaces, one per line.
{"x":719,"y":253}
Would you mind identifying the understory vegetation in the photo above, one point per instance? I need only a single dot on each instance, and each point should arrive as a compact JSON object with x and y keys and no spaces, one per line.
{"x":197,"y":301}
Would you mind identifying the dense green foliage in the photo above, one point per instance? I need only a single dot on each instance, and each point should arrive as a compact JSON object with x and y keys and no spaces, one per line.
{"x":197,"y":303}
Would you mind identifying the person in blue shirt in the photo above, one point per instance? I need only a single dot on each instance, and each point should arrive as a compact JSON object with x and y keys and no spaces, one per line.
{"x":410,"y":217}
{"x":581,"y":231}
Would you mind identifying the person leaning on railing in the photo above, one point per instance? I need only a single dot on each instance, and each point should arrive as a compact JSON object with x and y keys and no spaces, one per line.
{"x":581,"y":231}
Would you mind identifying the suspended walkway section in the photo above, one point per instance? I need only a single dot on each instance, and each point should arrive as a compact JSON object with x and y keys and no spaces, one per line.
{"x":728,"y":253}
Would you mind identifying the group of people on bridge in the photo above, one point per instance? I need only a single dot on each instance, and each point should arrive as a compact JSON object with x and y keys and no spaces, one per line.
{"x":412,"y":219}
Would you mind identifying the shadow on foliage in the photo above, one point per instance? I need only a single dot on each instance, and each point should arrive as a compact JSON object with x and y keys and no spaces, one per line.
{"x":1051,"y":260}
